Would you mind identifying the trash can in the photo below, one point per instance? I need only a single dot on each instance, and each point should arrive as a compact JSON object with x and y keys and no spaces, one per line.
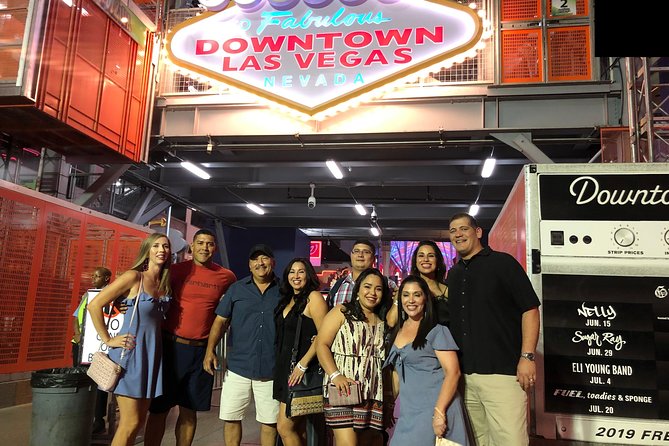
{"x":63,"y":406}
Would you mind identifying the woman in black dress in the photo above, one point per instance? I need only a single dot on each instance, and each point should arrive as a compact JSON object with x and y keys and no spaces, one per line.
{"x":428,"y":263}
{"x":299,"y":298}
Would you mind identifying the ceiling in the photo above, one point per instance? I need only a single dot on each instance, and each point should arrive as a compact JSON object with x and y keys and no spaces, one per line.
{"x":415,"y":181}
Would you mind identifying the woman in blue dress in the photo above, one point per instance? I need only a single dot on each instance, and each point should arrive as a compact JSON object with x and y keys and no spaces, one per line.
{"x":425,"y":372}
{"x":147,"y":285}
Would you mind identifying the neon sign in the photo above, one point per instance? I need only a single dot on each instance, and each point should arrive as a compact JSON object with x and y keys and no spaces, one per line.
{"x":310,"y":55}
{"x":315,"y":252}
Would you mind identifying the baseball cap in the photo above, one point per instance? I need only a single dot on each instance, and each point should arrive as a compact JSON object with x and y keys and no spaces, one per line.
{"x":260,"y":249}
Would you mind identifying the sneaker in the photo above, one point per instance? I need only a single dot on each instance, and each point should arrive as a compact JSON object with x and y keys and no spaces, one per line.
{"x":98,"y":426}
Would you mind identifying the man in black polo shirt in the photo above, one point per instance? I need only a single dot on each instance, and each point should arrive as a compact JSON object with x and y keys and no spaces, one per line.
{"x":495,"y":322}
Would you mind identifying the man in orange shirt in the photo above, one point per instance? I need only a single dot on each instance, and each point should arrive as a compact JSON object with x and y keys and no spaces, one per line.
{"x":197,"y":287}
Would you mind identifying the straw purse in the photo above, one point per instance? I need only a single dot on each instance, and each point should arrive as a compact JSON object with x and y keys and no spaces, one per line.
{"x":306,"y":397}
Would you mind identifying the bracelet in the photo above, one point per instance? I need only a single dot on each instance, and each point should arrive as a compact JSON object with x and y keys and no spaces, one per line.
{"x":440,"y":413}
{"x":334,"y":374}
{"x":301,"y":367}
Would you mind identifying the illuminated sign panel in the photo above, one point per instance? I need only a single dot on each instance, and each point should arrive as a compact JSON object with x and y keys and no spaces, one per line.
{"x":316,"y":252}
{"x":310,"y":55}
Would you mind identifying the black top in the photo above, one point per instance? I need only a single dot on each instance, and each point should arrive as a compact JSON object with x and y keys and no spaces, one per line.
{"x":286,"y":329}
{"x":442,"y":311}
{"x":488,"y":295}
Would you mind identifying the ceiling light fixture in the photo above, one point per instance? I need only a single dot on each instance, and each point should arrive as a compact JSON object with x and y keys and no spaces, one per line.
{"x":473,"y":209}
{"x":334,"y":169}
{"x":361,"y":209}
{"x":255,"y":208}
{"x":195,"y":170}
{"x":488,"y":167}
{"x":374,"y":231}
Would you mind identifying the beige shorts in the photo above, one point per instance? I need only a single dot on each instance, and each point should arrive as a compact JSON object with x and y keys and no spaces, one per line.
{"x":236,"y":396}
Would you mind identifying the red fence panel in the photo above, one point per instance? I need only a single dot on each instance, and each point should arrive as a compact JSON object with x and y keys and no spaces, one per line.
{"x":48,"y":250}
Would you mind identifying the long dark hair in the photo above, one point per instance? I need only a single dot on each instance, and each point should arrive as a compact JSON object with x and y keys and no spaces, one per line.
{"x":352,"y":310}
{"x":440,"y":271}
{"x":429,"y":320}
{"x":287,"y":292}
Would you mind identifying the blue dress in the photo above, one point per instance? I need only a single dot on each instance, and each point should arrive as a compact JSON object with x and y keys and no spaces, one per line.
{"x":142,"y":376}
{"x":421,"y":377}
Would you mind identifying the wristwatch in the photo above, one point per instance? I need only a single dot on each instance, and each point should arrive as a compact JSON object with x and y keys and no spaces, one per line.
{"x":527,"y":355}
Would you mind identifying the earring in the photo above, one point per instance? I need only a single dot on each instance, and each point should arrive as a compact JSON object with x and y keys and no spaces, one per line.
{"x":145,"y":264}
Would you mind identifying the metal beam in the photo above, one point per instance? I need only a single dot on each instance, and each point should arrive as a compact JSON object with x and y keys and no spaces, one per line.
{"x":111,"y":173}
{"x":523,"y":143}
{"x":222,"y":246}
{"x":153,"y":212}
{"x":141,"y":206}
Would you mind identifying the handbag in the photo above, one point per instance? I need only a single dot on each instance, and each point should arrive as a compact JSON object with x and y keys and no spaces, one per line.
{"x":104,"y":371}
{"x":441,"y":441}
{"x":305,"y":397}
{"x":352,"y":399}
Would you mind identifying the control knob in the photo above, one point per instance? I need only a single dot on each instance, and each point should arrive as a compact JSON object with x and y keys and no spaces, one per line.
{"x":624,"y":237}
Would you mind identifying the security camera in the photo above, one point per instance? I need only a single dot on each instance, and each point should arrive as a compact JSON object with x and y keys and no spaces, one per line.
{"x":311,"y":201}
{"x":373,"y":217}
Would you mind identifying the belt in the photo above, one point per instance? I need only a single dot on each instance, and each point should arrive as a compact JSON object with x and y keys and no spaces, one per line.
{"x":180,"y":340}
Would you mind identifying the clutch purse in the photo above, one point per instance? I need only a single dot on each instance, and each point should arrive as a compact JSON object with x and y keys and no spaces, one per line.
{"x":352,"y":399}
{"x":441,"y":441}
{"x":104,"y":371}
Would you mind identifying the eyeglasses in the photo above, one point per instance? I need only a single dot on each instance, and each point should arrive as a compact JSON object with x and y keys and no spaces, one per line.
{"x":365,"y":252}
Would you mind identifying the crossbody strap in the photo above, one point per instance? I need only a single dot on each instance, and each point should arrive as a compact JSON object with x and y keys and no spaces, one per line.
{"x":134,"y":311}
{"x":296,"y":344}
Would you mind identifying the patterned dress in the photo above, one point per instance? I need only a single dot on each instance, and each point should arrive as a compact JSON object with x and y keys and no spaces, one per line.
{"x":359,"y":355}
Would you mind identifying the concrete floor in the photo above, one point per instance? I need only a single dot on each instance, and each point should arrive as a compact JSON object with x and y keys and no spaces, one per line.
{"x":15,"y":425}
{"x":16,"y":421}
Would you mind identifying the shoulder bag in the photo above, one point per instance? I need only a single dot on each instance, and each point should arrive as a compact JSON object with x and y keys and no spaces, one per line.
{"x":103,"y":370}
{"x":305,"y":397}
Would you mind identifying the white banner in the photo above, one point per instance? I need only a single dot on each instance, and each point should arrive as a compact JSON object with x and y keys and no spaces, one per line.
{"x":90,"y":339}
{"x":613,"y":431}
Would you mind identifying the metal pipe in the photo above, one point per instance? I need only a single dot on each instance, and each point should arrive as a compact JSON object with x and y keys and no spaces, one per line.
{"x":382,"y":144}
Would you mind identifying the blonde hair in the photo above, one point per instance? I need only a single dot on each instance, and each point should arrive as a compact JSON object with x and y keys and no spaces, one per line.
{"x":141,"y":262}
